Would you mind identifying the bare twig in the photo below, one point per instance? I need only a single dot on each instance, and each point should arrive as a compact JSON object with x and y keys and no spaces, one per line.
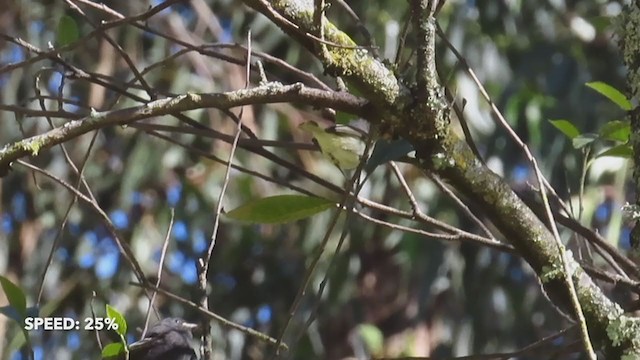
{"x":163,"y":253}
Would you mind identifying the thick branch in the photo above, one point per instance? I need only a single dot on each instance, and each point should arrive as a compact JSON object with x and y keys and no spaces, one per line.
{"x":357,"y":65}
{"x":446,"y":154}
{"x":268,"y":93}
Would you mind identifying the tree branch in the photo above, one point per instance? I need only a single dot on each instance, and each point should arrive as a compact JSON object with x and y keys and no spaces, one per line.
{"x":268,"y":93}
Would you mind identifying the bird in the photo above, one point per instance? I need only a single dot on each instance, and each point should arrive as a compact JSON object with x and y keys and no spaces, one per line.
{"x":343,"y":145}
{"x":167,"y":340}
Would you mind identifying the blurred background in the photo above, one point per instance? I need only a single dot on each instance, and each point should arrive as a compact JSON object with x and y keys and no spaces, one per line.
{"x":389,"y":293}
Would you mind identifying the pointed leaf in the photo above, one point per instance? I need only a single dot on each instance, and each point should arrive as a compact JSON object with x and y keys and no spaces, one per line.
{"x":15,"y":295}
{"x":584,"y":140}
{"x":68,"y":31}
{"x":112,"y":350}
{"x":566,"y":127}
{"x":612,"y":94}
{"x":622,"y":150}
{"x":280,"y":209}
{"x":112,"y":313}
{"x":616,"y":130}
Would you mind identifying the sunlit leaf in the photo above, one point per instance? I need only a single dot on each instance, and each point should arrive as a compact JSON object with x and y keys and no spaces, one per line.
{"x":584,"y":140}
{"x":112,"y":350}
{"x":622,"y":150}
{"x":566,"y":127}
{"x":616,"y":130}
{"x":343,"y":149}
{"x":372,"y":336}
{"x":612,"y":94}
{"x":121,"y":322}
{"x":280,"y":209}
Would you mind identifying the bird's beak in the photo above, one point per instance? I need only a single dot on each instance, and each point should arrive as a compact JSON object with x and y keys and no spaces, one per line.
{"x":189,"y":326}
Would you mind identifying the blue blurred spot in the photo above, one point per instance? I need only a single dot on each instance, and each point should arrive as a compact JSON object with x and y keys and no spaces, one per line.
{"x":520,"y":173}
{"x":164,"y":11}
{"x":74,"y":228}
{"x":189,"y":271}
{"x":180,"y":231}
{"x":86,"y":260}
{"x":36,"y":27}
{"x":72,"y":107}
{"x":504,"y":259}
{"x":54,"y":82}
{"x":136,"y":198}
{"x":264,"y":314}
{"x":625,"y":238}
{"x":14,"y":55}
{"x":73,"y":341}
{"x":174,"y":194}
{"x":558,"y":341}
{"x":175,"y":261}
{"x":19,"y":206}
{"x":199,"y":241}
{"x":107,"y":265}
{"x":38,"y":353}
{"x":120,"y":219}
{"x":227,"y":30}
{"x":156,"y":255}
{"x":225,"y":280}
{"x":62,"y":254}
{"x":16,"y":355}
{"x":603,"y":211}
{"x":174,"y":49}
{"x":6,"y":223}
{"x":107,"y":245}
{"x":516,"y":274}
{"x":91,"y":237}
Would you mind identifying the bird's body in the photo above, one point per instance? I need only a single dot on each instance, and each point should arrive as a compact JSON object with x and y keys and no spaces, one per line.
{"x":345,"y":149}
{"x":168,"y":340}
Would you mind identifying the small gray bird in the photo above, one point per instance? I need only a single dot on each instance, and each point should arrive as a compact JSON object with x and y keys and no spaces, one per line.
{"x":167,"y":340}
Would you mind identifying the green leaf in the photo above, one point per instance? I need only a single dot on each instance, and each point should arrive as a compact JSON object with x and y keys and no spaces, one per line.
{"x":15,"y":295}
{"x":612,"y":94}
{"x":112,"y":313}
{"x":622,"y":150}
{"x":280,"y":209}
{"x":112,"y":350}
{"x":343,"y":118}
{"x":372,"y":336}
{"x":584,"y":140}
{"x":68,"y":31}
{"x":616,"y":130}
{"x":343,"y":149}
{"x":566,"y":127}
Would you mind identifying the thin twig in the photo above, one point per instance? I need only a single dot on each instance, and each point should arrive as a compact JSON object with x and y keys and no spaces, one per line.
{"x":163,"y":253}
{"x":214,"y":316}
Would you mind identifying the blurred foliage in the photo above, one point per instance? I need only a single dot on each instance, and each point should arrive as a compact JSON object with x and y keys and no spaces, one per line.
{"x":389,"y":292}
